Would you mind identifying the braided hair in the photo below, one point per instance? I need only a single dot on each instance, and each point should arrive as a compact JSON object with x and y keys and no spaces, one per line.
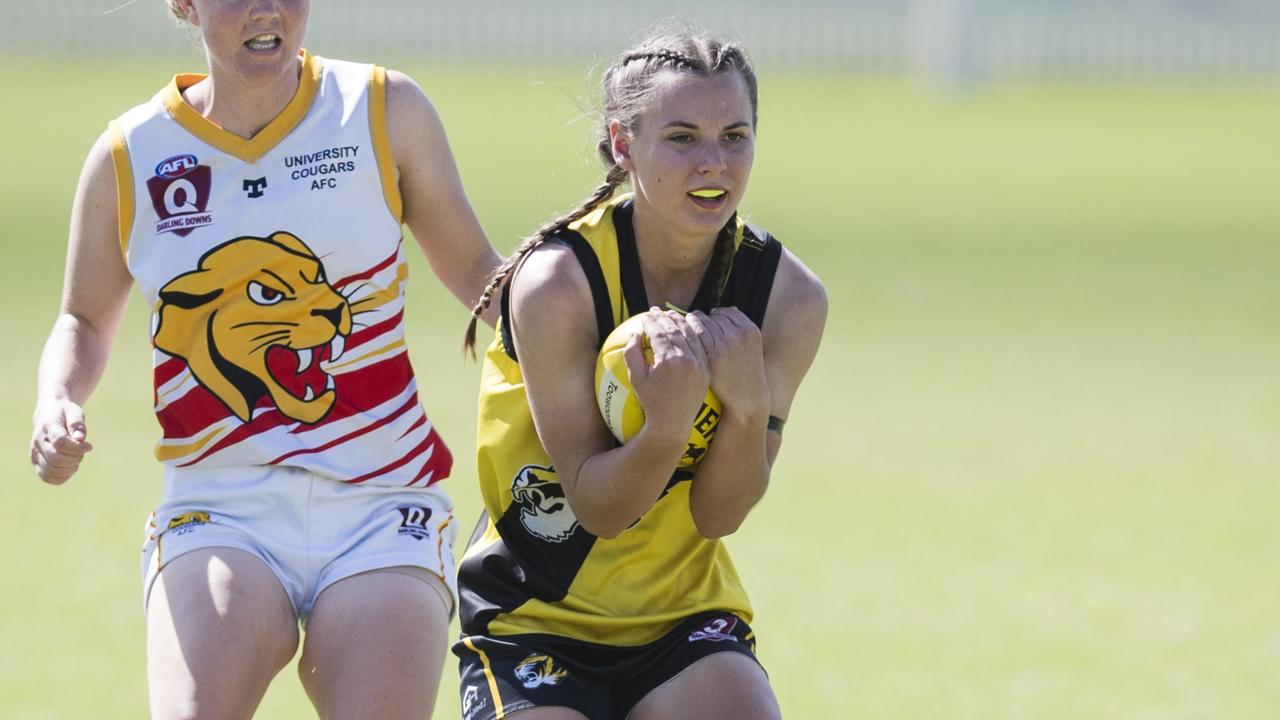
{"x":628,"y":86}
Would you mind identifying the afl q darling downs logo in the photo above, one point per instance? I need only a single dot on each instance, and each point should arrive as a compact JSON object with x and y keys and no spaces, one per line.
{"x":180,"y":194}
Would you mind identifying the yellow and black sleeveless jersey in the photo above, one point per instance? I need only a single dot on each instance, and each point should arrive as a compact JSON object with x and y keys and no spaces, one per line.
{"x":531,"y":568}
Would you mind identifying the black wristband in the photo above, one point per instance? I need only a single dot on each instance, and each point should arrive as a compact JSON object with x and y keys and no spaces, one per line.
{"x":776,"y":423}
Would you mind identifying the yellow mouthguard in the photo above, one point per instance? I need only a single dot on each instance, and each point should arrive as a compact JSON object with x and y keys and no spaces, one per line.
{"x":707,"y":193}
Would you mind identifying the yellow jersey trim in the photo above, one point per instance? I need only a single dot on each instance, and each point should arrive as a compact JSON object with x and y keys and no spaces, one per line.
{"x":268,"y":137}
{"x":488,"y":674}
{"x":124,"y":186}
{"x":382,"y":143}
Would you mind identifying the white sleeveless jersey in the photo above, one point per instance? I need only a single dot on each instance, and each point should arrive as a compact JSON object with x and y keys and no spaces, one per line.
{"x":275,"y":271}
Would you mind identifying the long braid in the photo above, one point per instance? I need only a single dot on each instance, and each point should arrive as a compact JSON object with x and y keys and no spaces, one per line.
{"x":722,"y":259}
{"x":500,"y":277}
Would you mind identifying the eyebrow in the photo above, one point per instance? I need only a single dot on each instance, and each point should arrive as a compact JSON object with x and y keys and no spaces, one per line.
{"x":691,"y":126}
{"x":282,"y":280}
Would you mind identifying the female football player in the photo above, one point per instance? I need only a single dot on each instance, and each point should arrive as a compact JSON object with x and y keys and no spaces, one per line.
{"x":259,"y":209}
{"x":597,"y":585}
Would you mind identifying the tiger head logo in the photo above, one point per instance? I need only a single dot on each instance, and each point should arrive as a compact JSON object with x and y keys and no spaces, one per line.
{"x":537,"y":670}
{"x":543,"y":510}
{"x":256,"y":318}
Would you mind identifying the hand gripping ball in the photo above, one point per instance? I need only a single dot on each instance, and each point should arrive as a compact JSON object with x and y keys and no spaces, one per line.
{"x":620,"y":407}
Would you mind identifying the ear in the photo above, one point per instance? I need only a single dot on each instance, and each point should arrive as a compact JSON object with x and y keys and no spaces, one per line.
{"x":620,"y":143}
{"x":189,"y":10}
{"x":190,"y":290}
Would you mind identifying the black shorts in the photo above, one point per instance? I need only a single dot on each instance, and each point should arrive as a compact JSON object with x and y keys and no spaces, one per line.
{"x":602,"y":682}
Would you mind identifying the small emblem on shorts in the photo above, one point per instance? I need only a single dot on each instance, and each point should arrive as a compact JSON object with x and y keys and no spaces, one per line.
{"x":413,"y":521}
{"x":471,"y":702}
{"x":716,"y":630}
{"x":538,"y":670}
{"x":188,"y":521}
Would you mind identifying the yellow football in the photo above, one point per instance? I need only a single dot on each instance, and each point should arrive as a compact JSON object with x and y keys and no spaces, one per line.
{"x":617,"y":399}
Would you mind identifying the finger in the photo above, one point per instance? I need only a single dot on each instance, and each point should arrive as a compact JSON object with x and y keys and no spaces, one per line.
{"x":54,"y":429}
{"x":721,"y":339}
{"x":52,"y":473}
{"x":633,"y":356}
{"x":664,"y":338}
{"x":66,"y":445}
{"x":732,"y":316}
{"x":75,"y":422}
{"x":62,"y":461}
{"x":700,"y":323}
{"x":53,"y":477}
{"x":691,"y":341}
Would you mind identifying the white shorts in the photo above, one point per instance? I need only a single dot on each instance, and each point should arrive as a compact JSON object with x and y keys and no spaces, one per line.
{"x":310,"y":530}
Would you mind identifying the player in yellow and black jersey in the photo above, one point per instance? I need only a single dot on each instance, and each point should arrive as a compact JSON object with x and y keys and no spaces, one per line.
{"x":596,"y":585}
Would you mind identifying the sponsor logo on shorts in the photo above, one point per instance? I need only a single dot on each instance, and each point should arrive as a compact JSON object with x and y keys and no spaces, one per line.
{"x":413,"y":521}
{"x":538,"y":670}
{"x":472,"y":702}
{"x":188,"y":521}
{"x":180,"y":194}
{"x":716,"y":630}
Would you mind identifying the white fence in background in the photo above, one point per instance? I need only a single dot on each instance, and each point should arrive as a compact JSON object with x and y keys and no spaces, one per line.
{"x":950,"y":41}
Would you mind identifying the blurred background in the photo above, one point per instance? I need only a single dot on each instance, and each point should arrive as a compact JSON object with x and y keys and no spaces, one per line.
{"x":1033,"y":472}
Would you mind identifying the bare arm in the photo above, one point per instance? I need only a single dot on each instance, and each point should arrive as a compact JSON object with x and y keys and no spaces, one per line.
{"x":95,"y":291}
{"x":435,"y":206}
{"x":607,"y":487}
{"x":755,"y":373}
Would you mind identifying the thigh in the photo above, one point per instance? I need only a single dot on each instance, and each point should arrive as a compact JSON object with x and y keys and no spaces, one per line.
{"x":721,"y":685}
{"x":219,"y":628}
{"x":375,"y":645}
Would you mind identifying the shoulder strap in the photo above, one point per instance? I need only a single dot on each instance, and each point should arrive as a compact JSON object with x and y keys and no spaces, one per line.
{"x":633,"y":293}
{"x":595,"y":280}
{"x":751,"y":279}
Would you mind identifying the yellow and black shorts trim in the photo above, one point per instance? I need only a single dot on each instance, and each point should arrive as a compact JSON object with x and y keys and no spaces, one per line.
{"x":501,"y":675}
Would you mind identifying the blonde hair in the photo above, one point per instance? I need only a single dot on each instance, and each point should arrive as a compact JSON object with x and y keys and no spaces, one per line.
{"x":628,"y":86}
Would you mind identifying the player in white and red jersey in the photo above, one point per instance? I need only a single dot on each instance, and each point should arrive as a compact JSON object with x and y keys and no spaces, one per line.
{"x":259,"y":209}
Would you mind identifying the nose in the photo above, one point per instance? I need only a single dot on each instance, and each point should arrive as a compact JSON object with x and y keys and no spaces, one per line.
{"x":264,"y":9}
{"x":334,"y":314}
{"x":711,"y":159}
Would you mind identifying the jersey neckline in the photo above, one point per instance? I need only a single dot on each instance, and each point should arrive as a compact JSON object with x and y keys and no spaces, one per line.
{"x":268,"y":137}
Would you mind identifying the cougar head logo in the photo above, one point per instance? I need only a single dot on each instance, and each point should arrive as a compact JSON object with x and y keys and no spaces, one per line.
{"x":256,"y":318}
{"x":543,"y":509}
{"x":538,"y":670}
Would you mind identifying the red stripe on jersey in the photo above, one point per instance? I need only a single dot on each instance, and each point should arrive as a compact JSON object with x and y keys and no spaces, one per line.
{"x":358,"y":392}
{"x":432,"y":444}
{"x":191,"y":414}
{"x":259,"y":424}
{"x":438,"y":465}
{"x":413,"y":427}
{"x":371,"y":271}
{"x":413,"y":402}
{"x":372,"y":332}
{"x":362,"y":390}
{"x":168,"y":370}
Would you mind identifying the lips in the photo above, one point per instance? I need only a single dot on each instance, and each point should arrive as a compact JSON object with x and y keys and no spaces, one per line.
{"x":263,"y":42}
{"x":709,"y":198}
{"x":298,"y":371}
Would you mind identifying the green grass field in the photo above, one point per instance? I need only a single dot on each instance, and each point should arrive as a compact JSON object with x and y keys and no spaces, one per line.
{"x":1033,"y":472}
